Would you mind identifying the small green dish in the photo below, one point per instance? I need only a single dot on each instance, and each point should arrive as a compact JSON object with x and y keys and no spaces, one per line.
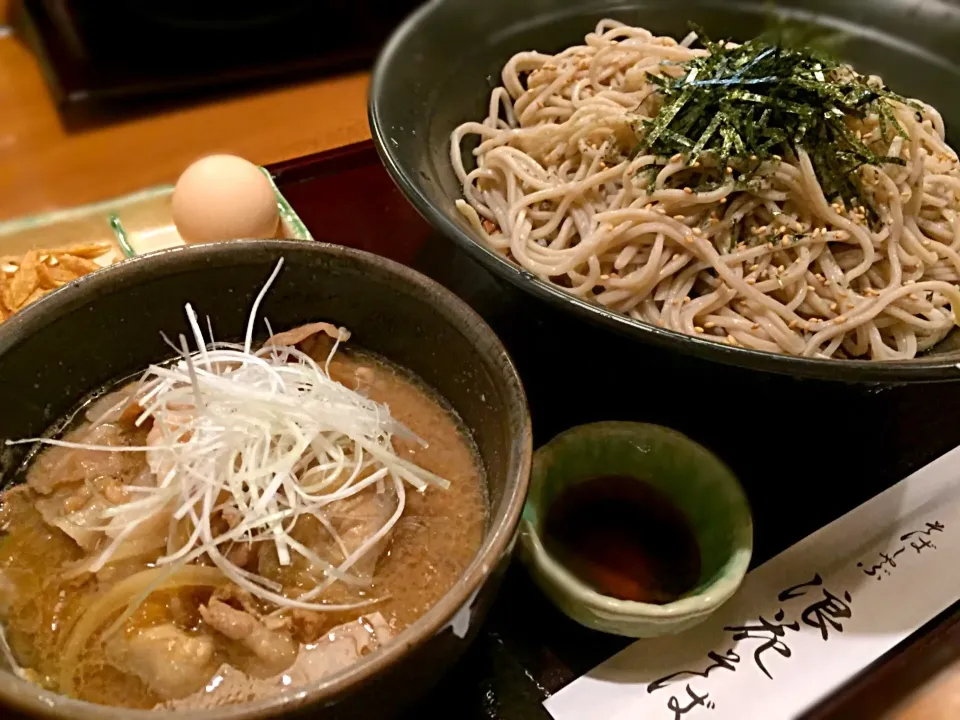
{"x":695,"y":480}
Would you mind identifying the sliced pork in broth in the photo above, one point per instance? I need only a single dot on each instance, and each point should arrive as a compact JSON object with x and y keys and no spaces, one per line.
{"x":143,"y":565}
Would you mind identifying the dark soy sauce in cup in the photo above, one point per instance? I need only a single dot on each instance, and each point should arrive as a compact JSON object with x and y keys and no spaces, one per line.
{"x":624,"y":538}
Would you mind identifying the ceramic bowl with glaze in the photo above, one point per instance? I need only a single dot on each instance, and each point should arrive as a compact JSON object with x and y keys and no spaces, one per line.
{"x":695,"y":481}
{"x":106,"y":326}
{"x":439,"y":67}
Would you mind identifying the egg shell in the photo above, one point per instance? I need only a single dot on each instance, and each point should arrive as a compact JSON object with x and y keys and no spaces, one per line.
{"x":224,"y":197}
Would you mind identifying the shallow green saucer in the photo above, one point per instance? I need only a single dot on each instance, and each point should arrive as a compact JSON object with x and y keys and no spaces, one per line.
{"x":698,"y":483}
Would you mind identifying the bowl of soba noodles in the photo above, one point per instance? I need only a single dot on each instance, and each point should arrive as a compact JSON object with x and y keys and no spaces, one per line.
{"x":779,"y":194}
{"x":250,"y":479}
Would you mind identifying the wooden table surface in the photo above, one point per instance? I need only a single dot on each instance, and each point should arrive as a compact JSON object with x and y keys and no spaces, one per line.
{"x":940,"y":700}
{"x":46,"y":165}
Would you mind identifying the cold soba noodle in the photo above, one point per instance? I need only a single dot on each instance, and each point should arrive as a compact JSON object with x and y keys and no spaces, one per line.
{"x":749,"y":194}
{"x":236,"y":524}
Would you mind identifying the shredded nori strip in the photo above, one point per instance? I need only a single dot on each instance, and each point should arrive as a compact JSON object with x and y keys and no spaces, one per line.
{"x":746,"y":104}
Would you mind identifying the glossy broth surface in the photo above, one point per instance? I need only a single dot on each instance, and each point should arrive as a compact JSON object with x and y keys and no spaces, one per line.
{"x":41,"y":601}
{"x":625,"y":538}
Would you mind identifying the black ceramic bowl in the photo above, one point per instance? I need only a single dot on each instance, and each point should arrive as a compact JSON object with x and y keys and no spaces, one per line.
{"x":107,"y":326}
{"x":438,"y":69}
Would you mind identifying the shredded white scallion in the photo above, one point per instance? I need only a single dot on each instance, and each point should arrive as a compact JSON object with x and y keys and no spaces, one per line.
{"x":267,"y":436}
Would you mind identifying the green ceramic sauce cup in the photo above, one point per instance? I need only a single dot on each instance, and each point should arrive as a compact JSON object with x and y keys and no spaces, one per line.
{"x":695,"y":480}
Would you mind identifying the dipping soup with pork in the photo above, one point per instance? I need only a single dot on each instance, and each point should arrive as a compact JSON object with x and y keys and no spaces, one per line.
{"x":237,"y":523}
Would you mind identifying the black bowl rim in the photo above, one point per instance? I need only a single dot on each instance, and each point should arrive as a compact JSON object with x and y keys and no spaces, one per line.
{"x":922,"y":369}
{"x":497,"y":542}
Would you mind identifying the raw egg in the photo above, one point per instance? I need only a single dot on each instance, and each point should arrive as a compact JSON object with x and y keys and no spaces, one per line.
{"x":224,"y":197}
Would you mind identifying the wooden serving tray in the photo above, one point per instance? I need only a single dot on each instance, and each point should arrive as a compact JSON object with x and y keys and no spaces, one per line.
{"x":806,"y":451}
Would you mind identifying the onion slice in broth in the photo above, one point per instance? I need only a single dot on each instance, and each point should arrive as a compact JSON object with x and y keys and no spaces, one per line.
{"x":268,"y":436}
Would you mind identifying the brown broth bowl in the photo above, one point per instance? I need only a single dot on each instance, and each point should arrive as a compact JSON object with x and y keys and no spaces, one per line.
{"x":107,"y":325}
